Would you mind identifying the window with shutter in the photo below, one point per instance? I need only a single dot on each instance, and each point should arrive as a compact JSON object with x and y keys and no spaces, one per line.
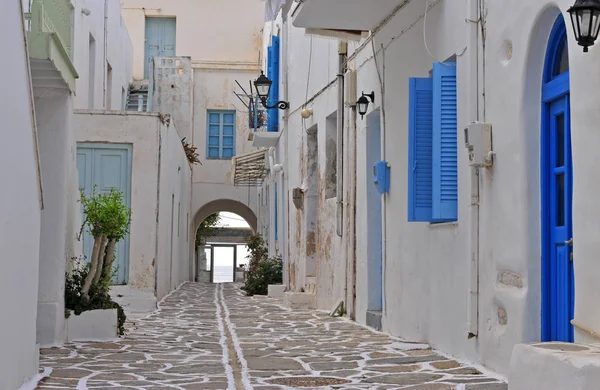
{"x":432,"y":153}
{"x":273,"y":75}
{"x":220,"y":141}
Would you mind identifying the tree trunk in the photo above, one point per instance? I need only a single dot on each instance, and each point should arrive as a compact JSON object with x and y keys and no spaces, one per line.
{"x":110,"y":256}
{"x":101,"y":260}
{"x":99,"y":243}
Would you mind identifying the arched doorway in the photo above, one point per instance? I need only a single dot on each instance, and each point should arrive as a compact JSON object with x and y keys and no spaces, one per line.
{"x":557,"y":189}
{"x":219,"y":259}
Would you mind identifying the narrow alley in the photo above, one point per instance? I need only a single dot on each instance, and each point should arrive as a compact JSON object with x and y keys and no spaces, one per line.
{"x":207,"y":336}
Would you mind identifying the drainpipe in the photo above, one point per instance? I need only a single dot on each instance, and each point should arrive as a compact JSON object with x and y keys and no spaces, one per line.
{"x":276,"y":173}
{"x":383,"y":196}
{"x":342,"y":54}
{"x":473,"y":106}
{"x":284,"y":188}
{"x":105,"y":66}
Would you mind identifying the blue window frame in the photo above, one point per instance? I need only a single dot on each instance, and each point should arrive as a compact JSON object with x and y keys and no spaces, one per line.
{"x":220,"y":134}
{"x":432,"y":152}
{"x":273,"y":75}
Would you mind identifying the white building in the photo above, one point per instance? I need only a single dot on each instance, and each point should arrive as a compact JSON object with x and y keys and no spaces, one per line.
{"x":21,"y":206}
{"x":471,"y":260}
{"x":186,"y":61}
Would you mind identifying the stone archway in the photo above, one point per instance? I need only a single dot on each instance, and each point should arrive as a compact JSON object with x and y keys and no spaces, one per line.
{"x":215,"y":206}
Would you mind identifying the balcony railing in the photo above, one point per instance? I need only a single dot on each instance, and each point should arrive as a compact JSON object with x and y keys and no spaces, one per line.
{"x":49,"y":36}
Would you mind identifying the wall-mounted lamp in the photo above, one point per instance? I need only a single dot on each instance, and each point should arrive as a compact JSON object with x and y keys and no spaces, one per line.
{"x":306,"y":113}
{"x":86,"y":11}
{"x":363,"y":103}
{"x":263,"y":88}
{"x":585,"y":16}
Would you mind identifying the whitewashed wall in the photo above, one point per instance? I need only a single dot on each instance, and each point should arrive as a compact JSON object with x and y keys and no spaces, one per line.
{"x":115,"y":50}
{"x":427,"y":276}
{"x":195,"y":19}
{"x":19,"y":209}
{"x":152,"y":185}
{"x":174,"y":265}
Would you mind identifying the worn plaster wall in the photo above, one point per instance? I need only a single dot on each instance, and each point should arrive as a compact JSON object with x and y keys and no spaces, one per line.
{"x":173,"y":86}
{"x":142,"y":132}
{"x":213,"y":180}
{"x":426,"y":283}
{"x":109,"y":87}
{"x":20,"y":209}
{"x":196,"y":19}
{"x":174,"y":237}
{"x":58,"y":244}
{"x":159,"y":171}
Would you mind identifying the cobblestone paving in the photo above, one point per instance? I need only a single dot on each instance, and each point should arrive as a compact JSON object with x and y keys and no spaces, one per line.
{"x":213,"y":337}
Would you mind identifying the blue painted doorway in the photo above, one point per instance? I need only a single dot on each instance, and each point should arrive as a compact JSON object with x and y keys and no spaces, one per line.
{"x":558,"y":282}
{"x":160,"y":40}
{"x":106,"y":166}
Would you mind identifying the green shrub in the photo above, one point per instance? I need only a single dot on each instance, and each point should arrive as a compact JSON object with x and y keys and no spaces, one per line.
{"x":267,"y":271}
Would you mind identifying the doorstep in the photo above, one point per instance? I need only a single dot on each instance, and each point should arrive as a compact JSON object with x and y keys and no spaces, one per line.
{"x":299,"y":301}
{"x":545,"y":366}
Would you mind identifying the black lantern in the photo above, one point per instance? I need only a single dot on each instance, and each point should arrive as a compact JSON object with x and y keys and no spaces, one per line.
{"x":263,"y":89}
{"x":585,"y":17}
{"x":363,"y":103}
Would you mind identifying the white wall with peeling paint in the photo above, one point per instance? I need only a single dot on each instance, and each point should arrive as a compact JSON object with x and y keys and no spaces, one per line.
{"x":160,"y":171}
{"x":426,"y":283}
{"x":229,"y":33}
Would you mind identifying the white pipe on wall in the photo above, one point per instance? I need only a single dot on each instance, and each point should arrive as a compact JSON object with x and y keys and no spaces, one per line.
{"x":473,"y":110}
{"x":342,"y":54}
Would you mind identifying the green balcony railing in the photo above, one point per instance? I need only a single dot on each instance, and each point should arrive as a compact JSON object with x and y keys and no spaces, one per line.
{"x":49,"y":36}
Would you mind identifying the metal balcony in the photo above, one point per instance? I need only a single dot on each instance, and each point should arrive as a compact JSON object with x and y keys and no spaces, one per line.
{"x":49,"y":41}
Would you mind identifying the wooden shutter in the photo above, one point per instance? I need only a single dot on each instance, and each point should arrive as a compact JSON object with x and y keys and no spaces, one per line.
{"x":420,"y":149}
{"x":445,"y":173}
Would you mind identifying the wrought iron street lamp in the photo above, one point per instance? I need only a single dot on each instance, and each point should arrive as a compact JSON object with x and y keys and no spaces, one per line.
{"x":585,"y":17}
{"x":263,"y":88}
{"x":363,"y":103}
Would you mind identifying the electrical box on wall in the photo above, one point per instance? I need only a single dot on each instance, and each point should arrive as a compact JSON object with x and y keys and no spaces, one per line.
{"x":381,"y":171}
{"x":478,"y":140}
{"x":350,"y":85}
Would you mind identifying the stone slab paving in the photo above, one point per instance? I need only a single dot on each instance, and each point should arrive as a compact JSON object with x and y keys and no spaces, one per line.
{"x":213,"y":337}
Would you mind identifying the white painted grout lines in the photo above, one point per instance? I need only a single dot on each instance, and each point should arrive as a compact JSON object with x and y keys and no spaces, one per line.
{"x":223,"y":342}
{"x":236,"y":342}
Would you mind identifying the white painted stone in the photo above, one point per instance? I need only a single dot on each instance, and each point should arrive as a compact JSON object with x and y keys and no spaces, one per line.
{"x":299,"y":301}
{"x":93,"y":325}
{"x":132,"y":300}
{"x":554,"y":366}
{"x":276,"y":290}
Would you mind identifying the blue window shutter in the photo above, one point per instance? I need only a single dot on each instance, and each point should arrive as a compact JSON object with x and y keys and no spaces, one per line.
{"x":274,"y":95}
{"x":420,"y":133}
{"x":445,"y":173}
{"x":270,"y":71}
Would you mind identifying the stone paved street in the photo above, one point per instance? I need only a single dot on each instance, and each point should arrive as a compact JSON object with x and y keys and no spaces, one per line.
{"x":213,"y":337}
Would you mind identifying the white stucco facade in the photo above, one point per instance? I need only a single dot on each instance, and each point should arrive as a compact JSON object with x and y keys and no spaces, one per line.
{"x":161,"y":175}
{"x":429,"y":270}
{"x":204,"y":80}
{"x":20,"y":208}
{"x":102,"y":54}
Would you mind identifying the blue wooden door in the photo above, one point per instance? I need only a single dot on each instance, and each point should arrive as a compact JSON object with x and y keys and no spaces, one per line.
{"x":160,"y":40}
{"x":104,"y":167}
{"x":558,"y":283}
